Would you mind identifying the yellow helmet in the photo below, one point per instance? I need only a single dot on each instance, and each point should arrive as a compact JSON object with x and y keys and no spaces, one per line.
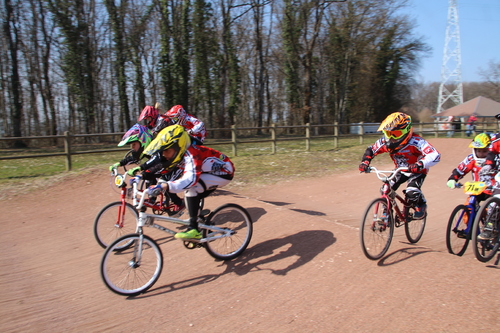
{"x":481,"y":141}
{"x":397,"y":129}
{"x":174,"y":136}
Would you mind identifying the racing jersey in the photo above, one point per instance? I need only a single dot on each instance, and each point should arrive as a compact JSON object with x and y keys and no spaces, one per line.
{"x":200,"y":160}
{"x":469,"y":165}
{"x":162,"y":122}
{"x":417,"y":150}
{"x":194,"y":127}
{"x":491,"y":158}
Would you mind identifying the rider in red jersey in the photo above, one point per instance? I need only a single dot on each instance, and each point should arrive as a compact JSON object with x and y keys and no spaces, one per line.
{"x":473,"y":163}
{"x":406,"y":149}
{"x":194,"y":126}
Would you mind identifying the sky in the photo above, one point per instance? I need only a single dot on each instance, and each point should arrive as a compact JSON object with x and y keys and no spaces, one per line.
{"x":479,"y":25}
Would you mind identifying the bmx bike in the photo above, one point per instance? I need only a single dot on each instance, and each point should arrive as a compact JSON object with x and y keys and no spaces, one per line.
{"x":458,"y":231}
{"x":384,"y":214}
{"x":119,"y":218}
{"x":487,"y":219}
{"x":133,"y":263}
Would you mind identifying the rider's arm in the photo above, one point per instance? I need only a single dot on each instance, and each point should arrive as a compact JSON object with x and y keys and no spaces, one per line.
{"x":430,"y":156}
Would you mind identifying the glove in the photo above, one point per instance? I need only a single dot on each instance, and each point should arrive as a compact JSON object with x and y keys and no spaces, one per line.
{"x":451,"y":183}
{"x":416,"y":168}
{"x":132,"y":171}
{"x":114,"y":166}
{"x":154,"y":191}
{"x":485,"y":170}
{"x":135,"y":180}
{"x":364,"y":166}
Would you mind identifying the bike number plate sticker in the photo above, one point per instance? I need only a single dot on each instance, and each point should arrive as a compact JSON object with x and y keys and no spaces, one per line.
{"x":474,"y":188}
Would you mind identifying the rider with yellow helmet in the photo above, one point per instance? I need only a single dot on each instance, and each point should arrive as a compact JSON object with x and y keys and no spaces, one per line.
{"x":201,"y":170}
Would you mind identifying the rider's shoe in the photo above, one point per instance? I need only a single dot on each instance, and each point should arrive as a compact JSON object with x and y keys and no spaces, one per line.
{"x":488,"y":233}
{"x":190,"y":234}
{"x":419,"y":211}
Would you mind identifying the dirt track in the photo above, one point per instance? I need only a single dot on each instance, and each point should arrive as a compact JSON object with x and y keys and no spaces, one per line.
{"x":304,"y":270}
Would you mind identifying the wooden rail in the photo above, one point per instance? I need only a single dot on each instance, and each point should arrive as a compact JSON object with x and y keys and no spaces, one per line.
{"x":309,"y":133}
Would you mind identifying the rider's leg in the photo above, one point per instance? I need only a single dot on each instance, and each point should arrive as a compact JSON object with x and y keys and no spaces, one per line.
{"x":414,"y":194}
{"x":207,"y":184}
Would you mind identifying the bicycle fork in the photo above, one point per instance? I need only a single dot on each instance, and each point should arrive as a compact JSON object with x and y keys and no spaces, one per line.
{"x":121,"y":209}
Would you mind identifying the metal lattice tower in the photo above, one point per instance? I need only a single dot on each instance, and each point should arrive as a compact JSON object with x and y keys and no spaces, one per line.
{"x":451,"y":72}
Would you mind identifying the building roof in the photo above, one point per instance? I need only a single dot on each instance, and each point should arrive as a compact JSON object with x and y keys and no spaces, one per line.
{"x":481,"y":106}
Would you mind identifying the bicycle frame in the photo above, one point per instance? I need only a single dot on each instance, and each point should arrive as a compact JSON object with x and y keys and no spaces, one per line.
{"x":473,"y":209}
{"x":148,"y":220}
{"x":392,"y":197}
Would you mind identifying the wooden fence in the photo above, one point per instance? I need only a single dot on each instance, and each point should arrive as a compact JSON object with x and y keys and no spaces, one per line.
{"x":243,"y":135}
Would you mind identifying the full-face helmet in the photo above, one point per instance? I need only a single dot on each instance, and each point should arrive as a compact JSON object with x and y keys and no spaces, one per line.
{"x":174,"y":136}
{"x":480,"y":146}
{"x":137,"y":133}
{"x":397,"y":129}
{"x":148,"y":116}
{"x":177,"y":114}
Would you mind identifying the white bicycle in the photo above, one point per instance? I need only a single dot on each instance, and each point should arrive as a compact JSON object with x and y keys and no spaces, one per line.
{"x":133,"y":263}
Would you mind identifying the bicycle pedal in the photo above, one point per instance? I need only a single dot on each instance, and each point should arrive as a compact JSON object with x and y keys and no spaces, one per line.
{"x":205,"y":212}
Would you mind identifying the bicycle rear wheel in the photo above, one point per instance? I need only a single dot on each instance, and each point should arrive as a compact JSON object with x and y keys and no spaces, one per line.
{"x":414,"y":229}
{"x":457,"y":236}
{"x":112,"y":222}
{"x":488,"y":215}
{"x":376,"y":230}
{"x":237,"y":221}
{"x":133,"y":270}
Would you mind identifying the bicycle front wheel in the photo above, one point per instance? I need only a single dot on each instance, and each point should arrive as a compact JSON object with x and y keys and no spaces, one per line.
{"x":234,"y":219}
{"x":376,"y":230}
{"x":457,"y":236}
{"x":113,"y":221}
{"x":487,"y":219}
{"x":133,"y":270}
{"x":414,"y":229}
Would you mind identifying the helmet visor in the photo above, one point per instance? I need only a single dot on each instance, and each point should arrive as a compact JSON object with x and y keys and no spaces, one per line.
{"x":395,"y":134}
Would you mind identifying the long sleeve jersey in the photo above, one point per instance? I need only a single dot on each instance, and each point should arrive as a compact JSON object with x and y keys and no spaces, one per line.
{"x":417,"y":150}
{"x":194,"y":127}
{"x":200,"y":160}
{"x":469,"y":164}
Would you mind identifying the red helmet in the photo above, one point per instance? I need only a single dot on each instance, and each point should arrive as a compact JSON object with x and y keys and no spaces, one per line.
{"x":148,"y":112}
{"x":177,"y":114}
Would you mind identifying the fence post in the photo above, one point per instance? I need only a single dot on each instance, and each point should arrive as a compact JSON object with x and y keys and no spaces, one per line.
{"x":421,"y":128}
{"x":308,"y":136}
{"x":233,"y":139}
{"x":67,"y":149}
{"x":362,"y":132}
{"x":273,"y":138}
{"x":335,"y":134}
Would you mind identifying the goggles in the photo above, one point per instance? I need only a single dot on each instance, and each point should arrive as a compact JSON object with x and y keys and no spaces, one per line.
{"x":395,"y":134}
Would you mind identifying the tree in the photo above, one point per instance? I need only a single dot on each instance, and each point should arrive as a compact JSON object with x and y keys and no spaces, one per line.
{"x":11,"y":33}
{"x":79,"y":63}
{"x":116,"y":18}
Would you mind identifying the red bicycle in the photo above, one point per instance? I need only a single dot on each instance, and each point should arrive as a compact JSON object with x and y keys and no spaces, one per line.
{"x":120,"y":217}
{"x":384,"y":214}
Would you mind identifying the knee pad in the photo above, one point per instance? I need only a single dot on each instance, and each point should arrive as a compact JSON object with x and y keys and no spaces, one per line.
{"x":414,"y":196}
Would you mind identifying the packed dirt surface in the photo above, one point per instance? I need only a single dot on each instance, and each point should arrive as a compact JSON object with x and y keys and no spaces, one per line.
{"x":304,"y":270}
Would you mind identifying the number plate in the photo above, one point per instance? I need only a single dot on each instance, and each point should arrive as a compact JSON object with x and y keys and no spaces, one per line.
{"x":474,"y":188}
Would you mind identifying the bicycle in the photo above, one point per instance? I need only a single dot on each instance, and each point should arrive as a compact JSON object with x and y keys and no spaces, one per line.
{"x":119,"y":218}
{"x":458,"y":231}
{"x":488,"y":217}
{"x":133,"y":263}
{"x":383,"y":214}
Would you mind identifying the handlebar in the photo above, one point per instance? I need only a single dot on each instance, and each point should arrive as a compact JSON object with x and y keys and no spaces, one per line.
{"x":382,"y":174}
